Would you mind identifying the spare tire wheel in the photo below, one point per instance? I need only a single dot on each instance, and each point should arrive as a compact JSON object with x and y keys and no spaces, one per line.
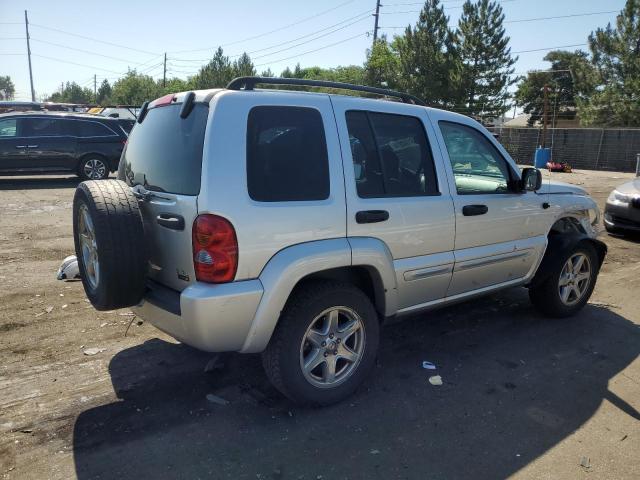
{"x":109,"y":241}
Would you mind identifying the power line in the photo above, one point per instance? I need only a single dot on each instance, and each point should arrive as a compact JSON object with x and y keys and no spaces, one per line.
{"x":81,"y":50}
{"x":92,"y":39}
{"x":74,"y":63}
{"x":360,"y":17}
{"x":550,"y":48}
{"x":260,"y":35}
{"x":314,"y":50}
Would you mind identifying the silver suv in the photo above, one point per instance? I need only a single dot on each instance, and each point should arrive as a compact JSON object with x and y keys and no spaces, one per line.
{"x":295,"y":224}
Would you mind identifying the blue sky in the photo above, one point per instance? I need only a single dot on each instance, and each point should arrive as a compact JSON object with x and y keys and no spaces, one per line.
{"x":189,"y":31}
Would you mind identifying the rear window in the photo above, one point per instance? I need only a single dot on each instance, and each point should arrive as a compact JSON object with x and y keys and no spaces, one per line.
{"x":287,"y":156}
{"x":164,"y":152}
{"x":93,"y":129}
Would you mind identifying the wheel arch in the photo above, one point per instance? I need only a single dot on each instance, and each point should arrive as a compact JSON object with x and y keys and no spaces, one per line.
{"x":334,"y":259}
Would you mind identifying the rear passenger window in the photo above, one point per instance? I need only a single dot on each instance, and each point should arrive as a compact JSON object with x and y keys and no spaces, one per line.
{"x":391,"y":155}
{"x":287,"y":157}
{"x":93,"y":129}
{"x":8,"y":128}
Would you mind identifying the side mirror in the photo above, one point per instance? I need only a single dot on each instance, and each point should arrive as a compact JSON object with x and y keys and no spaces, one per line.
{"x":531,"y":180}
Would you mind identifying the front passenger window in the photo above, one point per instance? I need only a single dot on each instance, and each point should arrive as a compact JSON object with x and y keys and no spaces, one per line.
{"x":477,"y":165}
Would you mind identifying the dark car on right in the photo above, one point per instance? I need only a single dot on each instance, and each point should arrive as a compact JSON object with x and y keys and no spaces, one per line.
{"x":36,"y":143}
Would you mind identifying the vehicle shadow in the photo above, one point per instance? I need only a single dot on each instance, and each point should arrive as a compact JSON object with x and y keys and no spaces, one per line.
{"x":514,"y":386}
{"x":36,"y":183}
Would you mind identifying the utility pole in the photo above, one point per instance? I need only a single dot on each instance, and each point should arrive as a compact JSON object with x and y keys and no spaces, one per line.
{"x":95,"y":89}
{"x":26,"y":25}
{"x":375,"y":27}
{"x":164,"y":75}
{"x":545,"y":116}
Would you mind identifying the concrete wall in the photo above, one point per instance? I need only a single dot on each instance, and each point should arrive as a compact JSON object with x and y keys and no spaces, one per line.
{"x":586,"y":148}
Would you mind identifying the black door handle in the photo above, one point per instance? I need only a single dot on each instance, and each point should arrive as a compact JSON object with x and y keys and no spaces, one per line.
{"x":472,"y":210}
{"x":174,"y":222}
{"x":372,"y":216}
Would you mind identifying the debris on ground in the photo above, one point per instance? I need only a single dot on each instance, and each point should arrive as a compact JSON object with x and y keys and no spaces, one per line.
{"x":428,"y":365}
{"x":216,"y":399}
{"x":93,"y":351}
{"x":49,"y":309}
{"x":435,"y":380}
{"x":603,"y":305}
{"x":585,"y":462}
{"x":64,"y":306}
{"x":69,"y":269}
{"x":374,"y":452}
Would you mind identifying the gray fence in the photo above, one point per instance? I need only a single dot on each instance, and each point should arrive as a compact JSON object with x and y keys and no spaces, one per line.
{"x":586,"y":148}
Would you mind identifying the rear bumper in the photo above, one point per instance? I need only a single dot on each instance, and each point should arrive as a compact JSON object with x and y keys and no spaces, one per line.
{"x":622,"y":217}
{"x":213,"y":318}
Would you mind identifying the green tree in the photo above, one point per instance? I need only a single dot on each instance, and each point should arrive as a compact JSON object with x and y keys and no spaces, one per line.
{"x":104,"y":92}
{"x":243,"y":66}
{"x":134,"y":89}
{"x":173,"y":85}
{"x":7,"y":88}
{"x":71,"y":92}
{"x":382,"y":66}
{"x":570,"y":81}
{"x":215,"y":74}
{"x":616,"y":56}
{"x":428,"y":57}
{"x":487,"y":64}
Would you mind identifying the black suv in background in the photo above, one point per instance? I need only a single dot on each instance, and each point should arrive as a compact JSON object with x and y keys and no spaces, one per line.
{"x":55,"y":142}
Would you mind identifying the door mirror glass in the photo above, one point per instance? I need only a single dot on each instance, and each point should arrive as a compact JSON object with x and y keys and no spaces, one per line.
{"x":531,"y":179}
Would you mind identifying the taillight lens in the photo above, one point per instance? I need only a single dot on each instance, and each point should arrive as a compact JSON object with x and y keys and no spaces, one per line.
{"x":215,"y":249}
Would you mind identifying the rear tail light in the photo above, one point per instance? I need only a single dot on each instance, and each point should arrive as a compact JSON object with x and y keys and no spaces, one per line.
{"x":215,"y":249}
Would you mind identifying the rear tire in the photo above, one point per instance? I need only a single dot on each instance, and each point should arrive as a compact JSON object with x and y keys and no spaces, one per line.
{"x":305,"y":335}
{"x":565,"y":292}
{"x":109,"y":242}
{"x":93,"y":167}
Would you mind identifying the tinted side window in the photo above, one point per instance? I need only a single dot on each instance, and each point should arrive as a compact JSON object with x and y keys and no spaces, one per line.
{"x":42,"y":127}
{"x":8,"y":127}
{"x":92,"y":129}
{"x":287,"y":157}
{"x":477,"y":165}
{"x":391,"y":155}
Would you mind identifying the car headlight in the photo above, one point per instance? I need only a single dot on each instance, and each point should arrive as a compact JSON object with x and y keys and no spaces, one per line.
{"x":616,"y":196}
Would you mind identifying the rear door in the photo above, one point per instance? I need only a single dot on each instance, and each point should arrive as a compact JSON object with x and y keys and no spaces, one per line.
{"x":51,"y":143}
{"x":397,"y":192}
{"x":162,"y":161}
{"x":500,"y":231}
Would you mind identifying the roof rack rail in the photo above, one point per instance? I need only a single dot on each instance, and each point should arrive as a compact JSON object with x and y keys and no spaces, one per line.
{"x":249,"y":83}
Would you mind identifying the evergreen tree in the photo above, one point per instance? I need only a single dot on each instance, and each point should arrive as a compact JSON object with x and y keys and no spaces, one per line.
{"x":215,"y":74}
{"x":487,"y":64}
{"x":104,"y":92}
{"x":243,"y":67}
{"x":616,"y":56}
{"x":427,"y":57}
{"x":7,"y":88}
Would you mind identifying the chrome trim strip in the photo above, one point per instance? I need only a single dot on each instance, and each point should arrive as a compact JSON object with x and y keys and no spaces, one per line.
{"x":482,"y":262}
{"x":427,"y":272}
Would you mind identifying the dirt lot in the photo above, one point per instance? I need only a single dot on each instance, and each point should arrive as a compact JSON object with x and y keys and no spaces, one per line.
{"x":522,"y":396}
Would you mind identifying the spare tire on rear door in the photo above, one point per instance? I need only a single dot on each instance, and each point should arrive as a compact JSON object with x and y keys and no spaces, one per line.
{"x":109,"y":241}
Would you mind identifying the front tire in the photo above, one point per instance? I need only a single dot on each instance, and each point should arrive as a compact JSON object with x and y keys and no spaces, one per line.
{"x":324,"y":345}
{"x":570,"y":285}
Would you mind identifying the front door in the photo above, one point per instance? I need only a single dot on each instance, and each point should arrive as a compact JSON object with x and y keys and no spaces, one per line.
{"x":500,"y":231}
{"x":397,"y":192}
{"x":12,"y":147}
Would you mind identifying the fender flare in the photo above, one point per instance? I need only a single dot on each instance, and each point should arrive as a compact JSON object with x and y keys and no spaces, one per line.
{"x":287,"y":267}
{"x":558,"y":245}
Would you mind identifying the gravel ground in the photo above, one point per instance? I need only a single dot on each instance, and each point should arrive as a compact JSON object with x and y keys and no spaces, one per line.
{"x":523,"y":397}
